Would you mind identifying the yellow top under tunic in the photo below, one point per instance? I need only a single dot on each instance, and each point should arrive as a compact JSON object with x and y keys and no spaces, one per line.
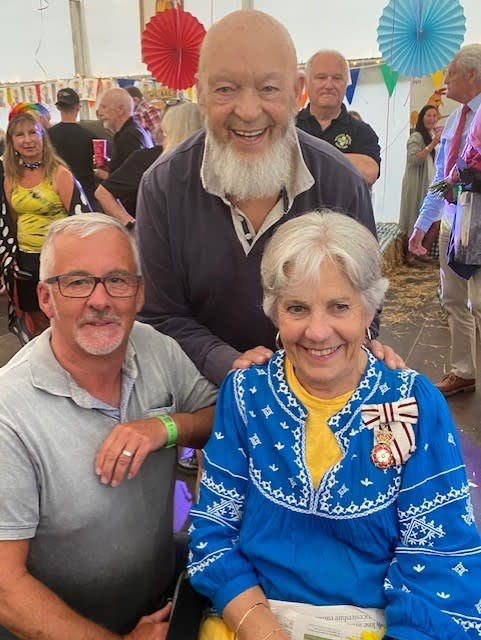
{"x":36,"y":208}
{"x":321,"y":452}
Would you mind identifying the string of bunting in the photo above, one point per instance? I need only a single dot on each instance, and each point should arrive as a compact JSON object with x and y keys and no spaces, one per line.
{"x":88,"y":89}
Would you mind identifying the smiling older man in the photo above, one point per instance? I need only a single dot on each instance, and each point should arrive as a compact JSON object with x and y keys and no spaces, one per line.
{"x":326,"y":117}
{"x":206,"y":210}
{"x":82,"y":407}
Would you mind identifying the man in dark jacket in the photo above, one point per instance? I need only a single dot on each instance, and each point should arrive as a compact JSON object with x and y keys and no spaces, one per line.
{"x":116,"y":110}
{"x":206,"y":210}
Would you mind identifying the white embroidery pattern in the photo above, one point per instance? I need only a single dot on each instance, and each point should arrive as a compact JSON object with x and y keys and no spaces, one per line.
{"x":421,"y":533}
{"x":206,"y":561}
{"x":469,"y":517}
{"x":460,"y":569}
{"x":437,"y":501}
{"x":466,"y":623}
{"x":346,"y":425}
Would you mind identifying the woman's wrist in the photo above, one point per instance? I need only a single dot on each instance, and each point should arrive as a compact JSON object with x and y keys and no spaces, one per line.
{"x":246,"y":614}
{"x":258,"y":622}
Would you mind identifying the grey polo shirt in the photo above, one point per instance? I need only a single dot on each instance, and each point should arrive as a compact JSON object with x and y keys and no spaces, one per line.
{"x":107,"y":552}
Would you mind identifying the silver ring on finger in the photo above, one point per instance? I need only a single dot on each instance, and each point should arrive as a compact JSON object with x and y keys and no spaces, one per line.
{"x":127,"y":453}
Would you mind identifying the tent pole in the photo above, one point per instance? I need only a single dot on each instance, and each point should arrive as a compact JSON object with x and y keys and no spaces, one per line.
{"x":80,"y":44}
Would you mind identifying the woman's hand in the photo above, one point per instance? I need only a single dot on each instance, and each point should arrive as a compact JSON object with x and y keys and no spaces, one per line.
{"x":251,"y":618}
{"x":436,"y":137}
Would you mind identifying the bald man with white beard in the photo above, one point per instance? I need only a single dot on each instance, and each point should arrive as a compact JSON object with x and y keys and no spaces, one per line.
{"x":116,"y":111}
{"x":206,"y":210}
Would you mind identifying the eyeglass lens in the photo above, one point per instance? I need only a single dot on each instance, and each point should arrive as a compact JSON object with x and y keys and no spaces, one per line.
{"x":116,"y":285}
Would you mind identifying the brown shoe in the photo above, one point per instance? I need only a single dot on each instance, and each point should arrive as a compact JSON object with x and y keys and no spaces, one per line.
{"x":451,"y":384}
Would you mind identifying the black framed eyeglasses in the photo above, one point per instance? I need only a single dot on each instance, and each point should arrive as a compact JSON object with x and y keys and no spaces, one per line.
{"x":117,"y":285}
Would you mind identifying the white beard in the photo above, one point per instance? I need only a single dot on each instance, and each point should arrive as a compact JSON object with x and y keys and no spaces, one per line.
{"x":100,"y":341}
{"x":264,"y":177}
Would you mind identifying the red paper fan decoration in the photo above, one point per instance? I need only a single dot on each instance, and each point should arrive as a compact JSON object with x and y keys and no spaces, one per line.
{"x":170,"y":47}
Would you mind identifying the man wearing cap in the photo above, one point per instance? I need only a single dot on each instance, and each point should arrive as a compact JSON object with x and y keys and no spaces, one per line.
{"x":72,"y":142}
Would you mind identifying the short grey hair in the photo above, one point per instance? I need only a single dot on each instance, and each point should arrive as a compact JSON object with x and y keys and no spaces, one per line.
{"x":302,"y":245}
{"x":332,"y":52}
{"x":81,"y":225}
{"x":469,"y":57}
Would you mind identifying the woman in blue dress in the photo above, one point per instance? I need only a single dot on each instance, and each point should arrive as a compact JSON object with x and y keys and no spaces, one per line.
{"x":329,"y":479}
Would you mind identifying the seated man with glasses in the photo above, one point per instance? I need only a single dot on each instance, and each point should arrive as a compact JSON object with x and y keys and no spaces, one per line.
{"x":97,"y":401}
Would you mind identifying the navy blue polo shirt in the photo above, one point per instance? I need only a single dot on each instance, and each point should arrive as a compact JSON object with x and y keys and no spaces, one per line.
{"x":346,"y":133}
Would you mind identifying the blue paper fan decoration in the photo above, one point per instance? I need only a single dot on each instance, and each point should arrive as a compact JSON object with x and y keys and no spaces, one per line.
{"x":418,"y":37}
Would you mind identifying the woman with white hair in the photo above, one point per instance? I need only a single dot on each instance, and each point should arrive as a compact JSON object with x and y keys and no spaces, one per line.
{"x":329,"y":479}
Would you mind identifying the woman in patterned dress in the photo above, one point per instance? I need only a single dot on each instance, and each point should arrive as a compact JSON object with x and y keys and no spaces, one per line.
{"x":329,"y":479}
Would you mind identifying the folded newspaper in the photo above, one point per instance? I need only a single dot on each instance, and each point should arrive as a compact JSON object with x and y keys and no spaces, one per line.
{"x":344,"y":622}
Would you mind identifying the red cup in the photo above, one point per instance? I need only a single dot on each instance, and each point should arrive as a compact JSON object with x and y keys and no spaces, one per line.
{"x":100,"y":152}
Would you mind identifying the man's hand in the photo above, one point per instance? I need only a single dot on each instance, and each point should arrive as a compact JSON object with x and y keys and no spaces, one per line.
{"x":258,"y":355}
{"x":124,"y":450}
{"x":415,"y":242}
{"x":101,"y":174}
{"x":153,"y":627}
{"x":387,"y":354}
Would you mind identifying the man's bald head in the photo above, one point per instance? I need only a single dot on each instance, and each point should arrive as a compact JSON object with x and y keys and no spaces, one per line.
{"x":248,"y":90}
{"x":115,"y":107}
{"x":244,"y":29}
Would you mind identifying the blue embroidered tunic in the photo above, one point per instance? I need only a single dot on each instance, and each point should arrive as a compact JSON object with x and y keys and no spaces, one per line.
{"x":403,"y":538}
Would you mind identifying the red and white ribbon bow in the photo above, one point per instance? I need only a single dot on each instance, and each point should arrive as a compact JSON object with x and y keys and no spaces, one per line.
{"x":392,"y":425}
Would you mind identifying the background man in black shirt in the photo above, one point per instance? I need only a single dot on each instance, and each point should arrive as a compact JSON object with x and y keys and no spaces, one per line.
{"x":326,"y":117}
{"x":72,"y":142}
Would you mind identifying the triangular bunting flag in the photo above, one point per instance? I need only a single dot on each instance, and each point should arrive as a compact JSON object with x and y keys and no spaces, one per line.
{"x":125,"y":82}
{"x":352,"y":87}
{"x":390,"y":78}
{"x":437,"y":77}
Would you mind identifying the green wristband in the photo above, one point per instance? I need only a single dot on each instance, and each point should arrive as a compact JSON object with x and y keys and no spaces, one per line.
{"x":171,"y":429}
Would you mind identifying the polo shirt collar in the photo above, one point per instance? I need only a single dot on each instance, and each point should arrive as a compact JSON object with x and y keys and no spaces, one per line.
{"x":49,"y":375}
{"x":343,"y":116}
